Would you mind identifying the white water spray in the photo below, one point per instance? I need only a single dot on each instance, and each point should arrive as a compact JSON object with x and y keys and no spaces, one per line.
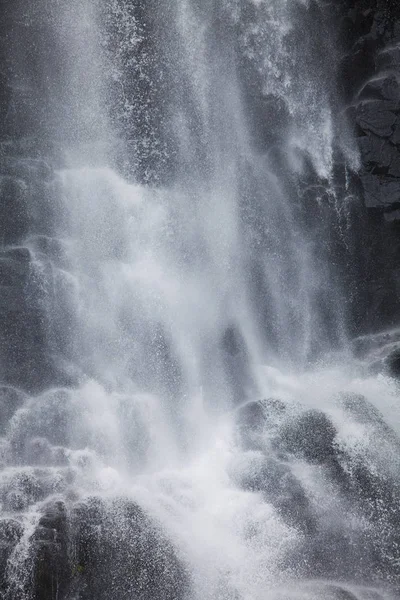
{"x":192,"y":296}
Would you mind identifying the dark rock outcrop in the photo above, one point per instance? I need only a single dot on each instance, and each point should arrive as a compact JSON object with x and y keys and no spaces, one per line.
{"x":254,"y":419}
{"x":10,"y":534}
{"x":119,"y":551}
{"x":279,"y":487}
{"x":368,"y":77}
{"x":51,"y":564}
{"x":93,"y":550}
{"x":310,"y":436}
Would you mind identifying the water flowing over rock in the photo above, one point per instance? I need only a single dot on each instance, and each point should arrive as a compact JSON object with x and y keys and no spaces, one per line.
{"x":199,"y":300}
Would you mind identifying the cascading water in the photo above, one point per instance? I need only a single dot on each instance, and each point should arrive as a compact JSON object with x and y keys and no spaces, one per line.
{"x":204,"y":432}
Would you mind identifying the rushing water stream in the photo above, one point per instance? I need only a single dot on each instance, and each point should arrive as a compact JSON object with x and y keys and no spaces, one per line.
{"x":208,"y":434}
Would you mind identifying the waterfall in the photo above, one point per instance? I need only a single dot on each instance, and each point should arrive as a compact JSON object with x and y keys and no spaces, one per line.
{"x":183,"y":414}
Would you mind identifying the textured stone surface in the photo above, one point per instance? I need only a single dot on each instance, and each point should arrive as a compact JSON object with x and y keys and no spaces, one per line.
{"x":370,"y":86}
{"x":92,"y":550}
{"x":369,"y":77}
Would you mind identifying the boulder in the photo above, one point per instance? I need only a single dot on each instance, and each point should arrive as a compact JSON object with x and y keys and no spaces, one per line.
{"x":120,"y":552}
{"x":310,"y":436}
{"x":280,"y":488}
{"x":94,"y":550}
{"x":253,"y":419}
{"x":363,"y":411}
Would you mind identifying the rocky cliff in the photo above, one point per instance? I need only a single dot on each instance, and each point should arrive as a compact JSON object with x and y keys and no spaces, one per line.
{"x":369,"y":32}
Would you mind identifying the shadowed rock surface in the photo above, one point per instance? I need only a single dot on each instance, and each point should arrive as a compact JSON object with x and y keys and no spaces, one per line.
{"x":369,"y":79}
{"x":93,"y":550}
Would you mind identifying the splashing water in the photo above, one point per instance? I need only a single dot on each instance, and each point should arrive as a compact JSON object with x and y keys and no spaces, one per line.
{"x":198,"y":322}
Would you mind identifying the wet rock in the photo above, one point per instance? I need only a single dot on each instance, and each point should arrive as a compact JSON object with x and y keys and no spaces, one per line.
{"x":39,"y":452}
{"x":358,"y":65}
{"x":10,"y":533}
{"x":378,"y":117}
{"x":380,"y":156}
{"x":366,"y":413}
{"x":250,"y":420}
{"x":21,"y":490}
{"x":310,"y":436}
{"x":380,"y":191}
{"x":369,"y":80}
{"x":96,"y":550}
{"x":376,"y":352}
{"x":14,"y":266}
{"x":24,"y":325}
{"x":254,"y":418}
{"x":381,"y":88}
{"x":48,"y":417}
{"x":392,"y":363}
{"x":279,"y":487}
{"x":329,"y":555}
{"x":369,"y":481}
{"x":51,"y":570}
{"x":378,"y":497}
{"x":120,"y":552}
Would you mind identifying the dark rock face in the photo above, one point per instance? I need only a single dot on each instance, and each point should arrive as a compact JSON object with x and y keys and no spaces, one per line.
{"x":310,"y":436}
{"x":266,"y":473}
{"x":370,"y":86}
{"x":93,"y":551}
{"x":373,"y":92}
{"x":51,"y":568}
{"x":127,"y":557}
{"x":279,"y":487}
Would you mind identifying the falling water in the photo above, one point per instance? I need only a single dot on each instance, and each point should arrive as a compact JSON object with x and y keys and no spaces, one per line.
{"x":204,"y":433}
